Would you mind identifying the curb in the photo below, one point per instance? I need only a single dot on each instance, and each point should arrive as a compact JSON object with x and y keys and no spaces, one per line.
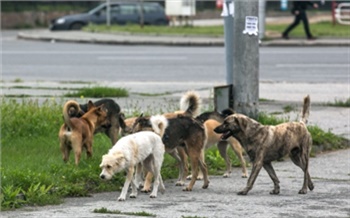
{"x":129,"y":39}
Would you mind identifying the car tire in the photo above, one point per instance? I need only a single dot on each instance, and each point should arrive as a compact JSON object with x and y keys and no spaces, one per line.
{"x":76,"y":26}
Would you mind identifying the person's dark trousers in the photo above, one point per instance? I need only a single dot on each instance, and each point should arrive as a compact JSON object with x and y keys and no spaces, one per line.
{"x":300,"y":17}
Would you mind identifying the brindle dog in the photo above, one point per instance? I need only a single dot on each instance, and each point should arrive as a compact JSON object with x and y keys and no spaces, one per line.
{"x":265,"y":144}
{"x":182,"y":131}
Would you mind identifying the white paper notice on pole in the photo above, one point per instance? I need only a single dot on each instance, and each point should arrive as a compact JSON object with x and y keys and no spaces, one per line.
{"x":251,"y":25}
{"x":228,"y":9}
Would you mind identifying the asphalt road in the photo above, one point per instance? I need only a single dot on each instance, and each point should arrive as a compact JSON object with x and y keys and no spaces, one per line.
{"x":45,"y":61}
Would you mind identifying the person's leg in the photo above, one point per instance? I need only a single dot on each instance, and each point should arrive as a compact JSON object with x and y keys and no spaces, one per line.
{"x":303,"y":17}
{"x":291,"y":27}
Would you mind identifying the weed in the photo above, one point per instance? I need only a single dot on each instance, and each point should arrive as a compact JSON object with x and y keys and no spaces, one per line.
{"x":99,"y":92}
{"x":106,"y":211}
{"x":10,"y":197}
{"x":18,"y":80}
{"x":340,"y":103}
{"x":288,"y":108}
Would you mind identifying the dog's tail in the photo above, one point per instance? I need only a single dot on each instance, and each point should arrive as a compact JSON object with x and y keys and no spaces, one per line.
{"x":70,"y":109}
{"x":159,"y":124}
{"x":190,"y":103}
{"x":306,"y":110}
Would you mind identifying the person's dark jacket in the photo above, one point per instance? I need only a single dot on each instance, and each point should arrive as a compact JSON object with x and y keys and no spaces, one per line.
{"x":300,"y":5}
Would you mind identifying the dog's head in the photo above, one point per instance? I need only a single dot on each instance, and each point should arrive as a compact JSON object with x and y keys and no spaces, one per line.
{"x":232,"y":125}
{"x":142,"y":124}
{"x":218,"y":116}
{"x":112,"y":164}
{"x":97,"y":115}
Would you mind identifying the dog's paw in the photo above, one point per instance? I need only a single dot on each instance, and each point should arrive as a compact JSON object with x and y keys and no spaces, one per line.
{"x":303,"y":191}
{"x":274,"y":192}
{"x":244,"y":176}
{"x":242,"y":192}
{"x":153,"y":196}
{"x":189,"y":177}
{"x":132,"y":196}
{"x":226,"y":175}
{"x":179,"y":183}
{"x":187,"y":189}
{"x":121,"y":199}
{"x":311,"y":186}
{"x":145,"y":190}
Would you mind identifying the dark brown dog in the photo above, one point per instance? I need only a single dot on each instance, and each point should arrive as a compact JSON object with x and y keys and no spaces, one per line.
{"x":77,"y":133}
{"x":210,"y":121}
{"x":184,"y":132}
{"x":265,"y":144}
{"x":113,"y":117}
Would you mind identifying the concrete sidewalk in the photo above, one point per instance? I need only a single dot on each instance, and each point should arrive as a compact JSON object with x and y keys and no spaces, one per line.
{"x":170,"y":40}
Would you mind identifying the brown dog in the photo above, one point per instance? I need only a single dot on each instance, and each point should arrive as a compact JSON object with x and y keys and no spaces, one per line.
{"x":265,"y":144}
{"x":114,"y":116}
{"x":77,"y":133}
{"x":182,"y":132}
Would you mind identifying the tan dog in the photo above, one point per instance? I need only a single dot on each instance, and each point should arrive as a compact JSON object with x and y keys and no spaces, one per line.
{"x":210,"y":121}
{"x":265,"y":144}
{"x":77,"y":133}
{"x":214,"y":138}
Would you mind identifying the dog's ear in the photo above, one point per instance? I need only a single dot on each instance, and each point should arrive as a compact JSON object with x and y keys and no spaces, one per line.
{"x":90,"y":105}
{"x":102,"y":108}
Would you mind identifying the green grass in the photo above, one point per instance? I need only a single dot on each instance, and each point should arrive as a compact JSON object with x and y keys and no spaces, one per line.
{"x":99,"y":92}
{"x":321,"y":29}
{"x":32,"y":170}
{"x":339,"y":103}
{"x":214,"y":31}
{"x":106,"y":211}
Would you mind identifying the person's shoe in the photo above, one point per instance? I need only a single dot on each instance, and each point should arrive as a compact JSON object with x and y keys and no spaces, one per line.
{"x":284,"y":36}
{"x":311,"y":38}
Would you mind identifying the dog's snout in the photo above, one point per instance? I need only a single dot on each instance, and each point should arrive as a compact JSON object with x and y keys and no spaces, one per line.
{"x":102,"y":176}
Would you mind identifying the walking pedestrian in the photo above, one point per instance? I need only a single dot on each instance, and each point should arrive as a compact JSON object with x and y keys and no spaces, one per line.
{"x":299,"y":11}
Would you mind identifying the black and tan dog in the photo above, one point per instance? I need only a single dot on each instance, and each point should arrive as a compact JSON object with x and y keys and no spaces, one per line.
{"x":186,"y":133}
{"x":210,"y":121}
{"x":77,"y":133}
{"x":113,"y":116}
{"x":265,"y":144}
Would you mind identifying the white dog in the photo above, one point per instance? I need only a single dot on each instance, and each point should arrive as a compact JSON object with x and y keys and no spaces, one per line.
{"x":144,"y":147}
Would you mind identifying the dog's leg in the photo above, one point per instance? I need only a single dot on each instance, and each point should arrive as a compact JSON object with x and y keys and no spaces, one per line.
{"x":237,"y":148}
{"x":65,"y":150}
{"x":268,"y":167}
{"x":138,"y":175}
{"x":204,"y":169}
{"x":257,"y":165}
{"x":112,"y":133}
{"x":180,"y":155}
{"x":77,"y":147}
{"x":302,"y":160}
{"x":200,"y":173}
{"x":222,"y":147}
{"x":147,"y":184}
{"x":89,"y":149}
{"x":154,"y":166}
{"x":129,"y":177}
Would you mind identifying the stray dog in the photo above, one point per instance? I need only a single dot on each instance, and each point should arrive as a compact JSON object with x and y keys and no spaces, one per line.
{"x":210,"y":121}
{"x":265,"y":144}
{"x":77,"y":133}
{"x":186,"y":133}
{"x":113,"y":116}
{"x":144,"y":147}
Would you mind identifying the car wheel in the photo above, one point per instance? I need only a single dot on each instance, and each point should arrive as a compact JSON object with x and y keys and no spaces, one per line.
{"x":76,"y":26}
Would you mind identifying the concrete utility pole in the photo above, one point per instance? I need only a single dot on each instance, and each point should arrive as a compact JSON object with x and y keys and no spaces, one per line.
{"x":246,"y":59}
{"x":108,"y":12}
{"x":228,"y":32}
